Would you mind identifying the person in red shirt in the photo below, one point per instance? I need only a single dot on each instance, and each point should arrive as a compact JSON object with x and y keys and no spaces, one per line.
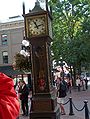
{"x":9,"y":104}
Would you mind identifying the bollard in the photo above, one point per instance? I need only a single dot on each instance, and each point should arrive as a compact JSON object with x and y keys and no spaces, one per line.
{"x":86,"y":110}
{"x":71,"y":107}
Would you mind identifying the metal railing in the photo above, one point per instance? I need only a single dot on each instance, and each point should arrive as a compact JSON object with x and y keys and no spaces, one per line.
{"x":72,"y":105}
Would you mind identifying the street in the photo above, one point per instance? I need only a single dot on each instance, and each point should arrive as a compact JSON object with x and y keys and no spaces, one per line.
{"x":78,"y":99}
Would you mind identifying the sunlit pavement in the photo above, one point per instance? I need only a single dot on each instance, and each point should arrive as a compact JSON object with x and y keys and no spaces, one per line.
{"x":78,"y":99}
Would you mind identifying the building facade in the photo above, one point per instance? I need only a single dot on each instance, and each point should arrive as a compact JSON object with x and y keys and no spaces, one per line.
{"x":11,"y":36}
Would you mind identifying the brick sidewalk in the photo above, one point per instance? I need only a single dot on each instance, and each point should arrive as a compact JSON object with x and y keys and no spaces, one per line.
{"x":62,"y":117}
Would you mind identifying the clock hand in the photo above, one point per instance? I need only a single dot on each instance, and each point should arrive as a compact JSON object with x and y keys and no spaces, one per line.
{"x":39,"y":25}
{"x":35,"y":24}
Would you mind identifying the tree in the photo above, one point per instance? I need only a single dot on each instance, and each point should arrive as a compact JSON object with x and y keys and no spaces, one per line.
{"x":22,"y":63}
{"x":69,"y":41}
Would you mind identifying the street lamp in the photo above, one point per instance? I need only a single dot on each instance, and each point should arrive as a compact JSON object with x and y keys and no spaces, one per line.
{"x":26,"y":53}
{"x":25,"y":43}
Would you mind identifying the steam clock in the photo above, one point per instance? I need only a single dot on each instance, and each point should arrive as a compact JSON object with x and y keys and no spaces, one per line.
{"x":38,"y":31}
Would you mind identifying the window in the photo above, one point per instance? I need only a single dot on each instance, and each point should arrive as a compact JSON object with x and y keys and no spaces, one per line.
{"x":4,"y":39}
{"x":5,"y":57}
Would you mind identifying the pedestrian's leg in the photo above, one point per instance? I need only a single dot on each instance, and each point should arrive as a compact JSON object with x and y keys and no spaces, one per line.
{"x":62,"y":109}
{"x":83,"y":87}
{"x":86,"y":85}
{"x":23,"y":107}
{"x":78,"y":87}
{"x":70,"y":89}
{"x":26,"y":107}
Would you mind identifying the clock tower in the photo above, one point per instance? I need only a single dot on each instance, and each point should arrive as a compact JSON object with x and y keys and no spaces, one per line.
{"x":38,"y":31}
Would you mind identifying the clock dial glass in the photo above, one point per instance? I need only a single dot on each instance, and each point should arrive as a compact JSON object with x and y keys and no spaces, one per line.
{"x":37,"y":26}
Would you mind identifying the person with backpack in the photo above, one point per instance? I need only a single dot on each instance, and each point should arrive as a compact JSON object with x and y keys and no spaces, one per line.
{"x":62,"y":92}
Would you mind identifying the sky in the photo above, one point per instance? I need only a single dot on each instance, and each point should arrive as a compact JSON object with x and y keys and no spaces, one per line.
{"x":10,"y":8}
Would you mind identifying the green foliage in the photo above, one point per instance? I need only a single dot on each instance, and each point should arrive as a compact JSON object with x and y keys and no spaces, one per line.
{"x":22,"y":63}
{"x":71,"y":31}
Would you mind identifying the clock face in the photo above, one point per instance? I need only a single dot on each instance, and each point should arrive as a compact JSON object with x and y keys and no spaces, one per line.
{"x":37,"y":26}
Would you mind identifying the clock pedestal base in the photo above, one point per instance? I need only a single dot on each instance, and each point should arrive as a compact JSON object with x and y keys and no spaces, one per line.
{"x":45,"y":107}
{"x":45,"y":115}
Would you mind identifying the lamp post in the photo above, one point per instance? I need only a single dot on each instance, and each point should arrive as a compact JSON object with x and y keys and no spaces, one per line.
{"x":25,"y":45}
{"x":26,"y":53}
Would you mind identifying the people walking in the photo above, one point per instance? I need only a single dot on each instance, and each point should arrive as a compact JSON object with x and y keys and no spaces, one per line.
{"x":69,"y":83}
{"x":86,"y":83}
{"x":62,"y":89}
{"x":83,"y":85}
{"x":78,"y":82}
{"x":24,"y":92}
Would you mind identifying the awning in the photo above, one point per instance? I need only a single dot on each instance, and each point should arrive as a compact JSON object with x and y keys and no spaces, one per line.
{"x":8,"y":70}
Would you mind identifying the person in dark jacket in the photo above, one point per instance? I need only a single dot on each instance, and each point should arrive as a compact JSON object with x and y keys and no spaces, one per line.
{"x":62,"y":94}
{"x":24,"y":92}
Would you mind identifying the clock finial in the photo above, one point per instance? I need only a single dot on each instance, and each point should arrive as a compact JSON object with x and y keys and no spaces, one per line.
{"x":37,"y":7}
{"x":37,"y":3}
{"x":47,"y":5}
{"x":23,"y":8}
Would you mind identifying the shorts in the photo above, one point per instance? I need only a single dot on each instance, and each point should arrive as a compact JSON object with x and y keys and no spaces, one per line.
{"x":60,"y":100}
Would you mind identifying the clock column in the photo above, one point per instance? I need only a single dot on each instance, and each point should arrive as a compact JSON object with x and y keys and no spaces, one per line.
{"x":44,"y":100}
